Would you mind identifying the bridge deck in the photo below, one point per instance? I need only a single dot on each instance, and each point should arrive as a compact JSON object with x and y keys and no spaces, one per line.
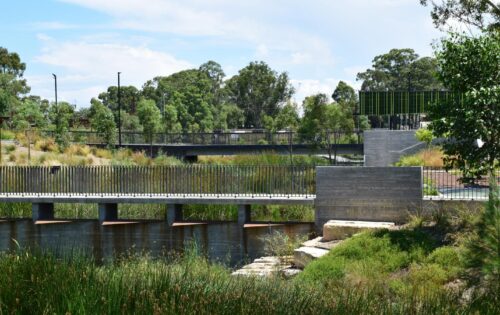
{"x":162,"y":199}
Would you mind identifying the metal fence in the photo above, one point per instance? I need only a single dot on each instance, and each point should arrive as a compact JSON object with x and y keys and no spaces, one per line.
{"x":214,"y":138}
{"x":213,"y":180}
{"x":441,"y":184}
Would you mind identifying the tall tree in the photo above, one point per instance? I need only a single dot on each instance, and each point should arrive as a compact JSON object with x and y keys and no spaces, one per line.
{"x":288,"y":117}
{"x":312,"y":126}
{"x":214,"y":72}
{"x":483,"y":14}
{"x":400,"y":69}
{"x":103,"y":122}
{"x":60,"y":116}
{"x":347,"y":99}
{"x":12,"y":83}
{"x":228,"y":116}
{"x":471,"y":120}
{"x":29,"y":113}
{"x":258,"y":91}
{"x":129,"y":96}
{"x":150,"y":118}
{"x":190,"y":93}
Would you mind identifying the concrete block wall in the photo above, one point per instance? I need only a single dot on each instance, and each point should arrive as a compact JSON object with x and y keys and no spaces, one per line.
{"x":367,"y":193}
{"x":384,"y":147}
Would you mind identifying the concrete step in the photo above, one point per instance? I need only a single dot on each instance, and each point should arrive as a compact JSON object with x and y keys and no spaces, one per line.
{"x":304,"y":255}
{"x":342,"y":229}
{"x":319,"y":242}
{"x":264,"y":267}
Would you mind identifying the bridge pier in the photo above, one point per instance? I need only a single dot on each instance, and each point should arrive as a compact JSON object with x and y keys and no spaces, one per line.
{"x":190,"y":159}
{"x":174,"y":213}
{"x":108,"y":212}
{"x":42,"y":211}
{"x":244,"y":214}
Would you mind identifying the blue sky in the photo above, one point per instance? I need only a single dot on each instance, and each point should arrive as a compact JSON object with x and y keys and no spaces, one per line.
{"x":318,"y":42}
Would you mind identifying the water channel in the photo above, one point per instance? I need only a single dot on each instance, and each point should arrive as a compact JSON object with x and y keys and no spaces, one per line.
{"x":226,"y":242}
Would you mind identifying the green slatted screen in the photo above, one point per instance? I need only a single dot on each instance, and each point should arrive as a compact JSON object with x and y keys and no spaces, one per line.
{"x":393,"y":103}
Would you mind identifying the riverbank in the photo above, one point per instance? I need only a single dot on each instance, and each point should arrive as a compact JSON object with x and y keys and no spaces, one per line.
{"x":418,"y":269}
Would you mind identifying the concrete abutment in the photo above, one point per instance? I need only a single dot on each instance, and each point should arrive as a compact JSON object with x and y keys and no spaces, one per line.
{"x":108,"y":212}
{"x":42,"y":211}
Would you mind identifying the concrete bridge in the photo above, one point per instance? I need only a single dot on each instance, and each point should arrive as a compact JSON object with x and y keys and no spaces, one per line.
{"x":174,"y":186}
{"x":343,"y":193}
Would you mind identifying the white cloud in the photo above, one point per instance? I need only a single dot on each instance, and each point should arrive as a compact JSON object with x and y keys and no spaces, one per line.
{"x":90,"y":68}
{"x":233,"y":21}
{"x":54,"y":25}
{"x":353,"y":71}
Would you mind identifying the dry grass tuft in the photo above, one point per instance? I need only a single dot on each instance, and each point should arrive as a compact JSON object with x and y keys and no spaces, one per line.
{"x":46,"y":145}
{"x":78,"y":149}
{"x":102,"y":153}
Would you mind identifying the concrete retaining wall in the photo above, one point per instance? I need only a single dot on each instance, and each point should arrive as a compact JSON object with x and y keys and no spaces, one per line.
{"x":451,"y":207}
{"x":385,"y":147}
{"x":367,"y":193}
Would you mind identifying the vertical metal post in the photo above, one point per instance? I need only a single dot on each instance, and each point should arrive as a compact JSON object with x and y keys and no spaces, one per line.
{"x":55,"y":86}
{"x":119,"y":113}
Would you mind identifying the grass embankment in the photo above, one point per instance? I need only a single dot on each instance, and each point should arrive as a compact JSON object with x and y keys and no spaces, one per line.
{"x":41,"y":284}
{"x":422,"y":269}
{"x":425,"y":261}
{"x":432,"y":157}
{"x":45,"y":151}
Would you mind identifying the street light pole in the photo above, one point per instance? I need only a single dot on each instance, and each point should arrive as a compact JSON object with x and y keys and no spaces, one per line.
{"x":119,"y":112}
{"x":55,"y":86}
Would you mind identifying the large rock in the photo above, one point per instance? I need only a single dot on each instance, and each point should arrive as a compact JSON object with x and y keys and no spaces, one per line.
{"x":319,"y":242}
{"x":304,"y":255}
{"x":341,"y":229}
{"x":262,"y":267}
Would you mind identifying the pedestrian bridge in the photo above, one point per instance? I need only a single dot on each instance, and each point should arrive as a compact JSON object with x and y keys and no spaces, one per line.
{"x":174,"y":186}
{"x":226,"y":143}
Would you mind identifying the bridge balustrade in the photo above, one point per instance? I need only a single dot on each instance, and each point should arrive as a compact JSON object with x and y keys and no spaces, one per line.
{"x":217,"y":138}
{"x":203,"y":180}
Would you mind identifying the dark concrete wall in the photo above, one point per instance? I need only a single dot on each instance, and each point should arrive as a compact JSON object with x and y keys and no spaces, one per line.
{"x":384,"y":147}
{"x":367,"y":193}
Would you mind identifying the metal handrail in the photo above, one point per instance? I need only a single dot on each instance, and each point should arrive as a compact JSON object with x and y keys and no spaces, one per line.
{"x":206,"y":180}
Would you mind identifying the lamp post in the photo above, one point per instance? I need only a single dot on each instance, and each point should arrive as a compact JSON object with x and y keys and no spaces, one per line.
{"x":28,"y":135}
{"x":55,"y":86}
{"x":119,"y":112}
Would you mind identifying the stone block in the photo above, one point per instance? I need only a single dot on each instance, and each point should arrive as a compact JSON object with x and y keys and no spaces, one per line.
{"x":304,"y":255}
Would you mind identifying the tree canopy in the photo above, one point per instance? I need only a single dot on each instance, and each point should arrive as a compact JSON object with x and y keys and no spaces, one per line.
{"x":258,"y":91}
{"x":471,"y":120}
{"x":12,"y":83}
{"x":484,"y":14}
{"x":102,"y":121}
{"x":400,"y":69}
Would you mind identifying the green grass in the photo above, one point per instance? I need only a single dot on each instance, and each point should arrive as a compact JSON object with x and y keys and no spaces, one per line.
{"x":8,"y":135}
{"x":266,"y":213}
{"x":268,"y":158}
{"x":370,"y":256}
{"x":41,"y":283}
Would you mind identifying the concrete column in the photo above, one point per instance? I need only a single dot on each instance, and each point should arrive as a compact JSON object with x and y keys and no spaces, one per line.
{"x":42,"y":211}
{"x":244,"y":214}
{"x":174,"y":213}
{"x":108,"y":212}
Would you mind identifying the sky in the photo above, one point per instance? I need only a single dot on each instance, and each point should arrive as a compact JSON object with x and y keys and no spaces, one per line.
{"x":318,"y":42}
